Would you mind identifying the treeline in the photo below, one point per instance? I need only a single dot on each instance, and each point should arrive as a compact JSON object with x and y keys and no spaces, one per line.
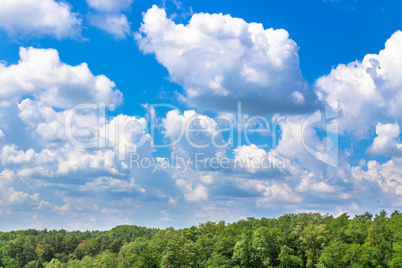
{"x":293,"y":240}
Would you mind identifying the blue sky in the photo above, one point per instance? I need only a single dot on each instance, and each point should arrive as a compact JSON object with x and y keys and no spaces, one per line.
{"x":284,"y":61}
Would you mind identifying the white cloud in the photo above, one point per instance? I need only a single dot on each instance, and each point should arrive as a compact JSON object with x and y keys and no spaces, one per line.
{"x":278,"y":194}
{"x":64,"y":161}
{"x":122,"y":135}
{"x":10,"y":197}
{"x":254,"y":159}
{"x":257,"y":187}
{"x":74,"y":161}
{"x":48,"y":126}
{"x":127,"y":134}
{"x":385,"y":177}
{"x":18,"y":197}
{"x":10,"y":155}
{"x":295,"y":137}
{"x":386,"y":143}
{"x":220,"y":60}
{"x":104,"y":184}
{"x":108,"y":16}
{"x":308,"y":184}
{"x":198,"y":194}
{"x":110,"y":5}
{"x":192,"y":133}
{"x":368,"y":91}
{"x":39,"y":17}
{"x":41,"y":73}
{"x":48,"y":166}
{"x":250,"y":155}
{"x":6,"y":176}
{"x":73,"y":204}
{"x":116,"y":25}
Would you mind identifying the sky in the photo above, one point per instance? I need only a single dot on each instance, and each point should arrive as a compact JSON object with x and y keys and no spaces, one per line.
{"x":172,"y":113}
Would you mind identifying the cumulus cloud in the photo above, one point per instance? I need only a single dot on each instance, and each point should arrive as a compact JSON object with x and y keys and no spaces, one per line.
{"x":192,"y":133}
{"x":10,"y":155}
{"x":12,"y":199}
{"x":73,"y":162}
{"x":110,"y":142}
{"x":108,"y":16}
{"x":64,"y":161}
{"x":368,"y":91}
{"x":39,"y":17}
{"x":386,"y":143}
{"x":311,"y":185}
{"x":278,"y":193}
{"x":302,"y":144}
{"x":127,"y":134}
{"x":41,"y":73}
{"x":193,"y":195}
{"x":254,"y":159}
{"x":382,"y":176}
{"x":48,"y":159}
{"x":72,"y":171}
{"x":48,"y":127}
{"x":287,"y":174}
{"x":116,"y":25}
{"x":225,"y":59}
{"x":220,"y":60}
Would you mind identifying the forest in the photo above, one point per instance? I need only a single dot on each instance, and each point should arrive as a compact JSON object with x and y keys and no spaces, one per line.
{"x":292,"y":240}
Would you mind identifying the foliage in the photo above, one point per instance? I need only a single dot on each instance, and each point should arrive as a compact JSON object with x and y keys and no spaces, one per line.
{"x":292,"y":240}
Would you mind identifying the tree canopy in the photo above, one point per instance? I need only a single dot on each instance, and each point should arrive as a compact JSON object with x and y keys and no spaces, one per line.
{"x":292,"y":240}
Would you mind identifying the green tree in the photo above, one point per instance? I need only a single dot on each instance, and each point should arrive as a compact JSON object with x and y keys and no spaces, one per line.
{"x":288,"y":260}
{"x":241,"y":253}
{"x":315,"y":238}
{"x":54,"y":263}
{"x":136,"y":254}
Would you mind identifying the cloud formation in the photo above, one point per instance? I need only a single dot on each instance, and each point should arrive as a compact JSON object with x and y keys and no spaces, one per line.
{"x":116,"y":25}
{"x":368,"y":91}
{"x":220,"y":60}
{"x":42,"y":74}
{"x":109,"y":18}
{"x":39,"y":17}
{"x":387,"y":141}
